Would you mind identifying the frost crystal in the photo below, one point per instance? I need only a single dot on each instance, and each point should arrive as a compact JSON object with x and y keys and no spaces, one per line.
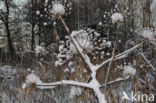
{"x":58,"y":9}
{"x":129,"y":70}
{"x":116,"y":17}
{"x":32,"y":78}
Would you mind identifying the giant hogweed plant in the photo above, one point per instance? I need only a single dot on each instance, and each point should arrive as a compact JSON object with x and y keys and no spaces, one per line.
{"x":89,"y":45}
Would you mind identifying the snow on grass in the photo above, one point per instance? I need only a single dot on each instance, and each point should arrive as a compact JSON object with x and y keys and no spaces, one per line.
{"x":58,"y":9}
{"x":116,"y":17}
{"x":129,"y":70}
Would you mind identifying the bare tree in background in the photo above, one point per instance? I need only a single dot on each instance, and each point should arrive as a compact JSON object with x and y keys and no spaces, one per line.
{"x":5,"y":17}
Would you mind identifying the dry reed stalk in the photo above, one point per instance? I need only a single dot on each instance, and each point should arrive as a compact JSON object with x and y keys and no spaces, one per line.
{"x":137,"y":80}
{"x":6,"y":98}
{"x":118,"y":98}
{"x":27,"y":93}
{"x":107,"y":94}
{"x":112,"y":72}
{"x":137,"y":60}
{"x":151,"y":51}
{"x":103,"y":90}
{"x":86,"y":77}
{"x":83,"y":96}
{"x":67,"y":29}
{"x":31,"y":97}
{"x":19,"y":92}
{"x":79,"y":74}
{"x":44,"y":69}
{"x":23,"y":91}
{"x":75,"y":99}
{"x":155,"y":81}
{"x":82,"y":68}
{"x":112,"y":97}
{"x":113,"y":54}
{"x":57,"y":35}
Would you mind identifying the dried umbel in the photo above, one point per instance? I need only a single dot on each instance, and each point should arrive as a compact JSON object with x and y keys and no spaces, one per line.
{"x":58,"y":9}
{"x":39,"y":49}
{"x":129,"y":70}
{"x":32,"y":79}
{"x":117,"y":17}
{"x":147,"y":33}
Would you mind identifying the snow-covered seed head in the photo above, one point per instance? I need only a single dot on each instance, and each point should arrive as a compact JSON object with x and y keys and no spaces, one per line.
{"x":83,"y":40}
{"x":38,"y":12}
{"x":58,"y":9}
{"x":117,"y":17}
{"x":24,"y":86}
{"x":39,"y":49}
{"x":32,"y":79}
{"x":129,"y":70}
{"x":147,"y":33}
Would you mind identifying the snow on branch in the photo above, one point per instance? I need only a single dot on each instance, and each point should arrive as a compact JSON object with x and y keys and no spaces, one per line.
{"x":116,"y":81}
{"x":85,"y":57}
{"x":77,"y":46}
{"x":62,"y":83}
{"x":119,"y":55}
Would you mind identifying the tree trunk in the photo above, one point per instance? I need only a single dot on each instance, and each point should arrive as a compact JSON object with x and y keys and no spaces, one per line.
{"x":32,"y":37}
{"x":39,"y":31}
{"x":10,"y":45}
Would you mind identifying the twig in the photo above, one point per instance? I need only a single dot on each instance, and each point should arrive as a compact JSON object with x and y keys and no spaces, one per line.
{"x":119,"y":55}
{"x":115,"y":81}
{"x":143,"y":56}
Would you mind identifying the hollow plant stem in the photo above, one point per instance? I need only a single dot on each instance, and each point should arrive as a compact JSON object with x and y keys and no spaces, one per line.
{"x":113,"y":54}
